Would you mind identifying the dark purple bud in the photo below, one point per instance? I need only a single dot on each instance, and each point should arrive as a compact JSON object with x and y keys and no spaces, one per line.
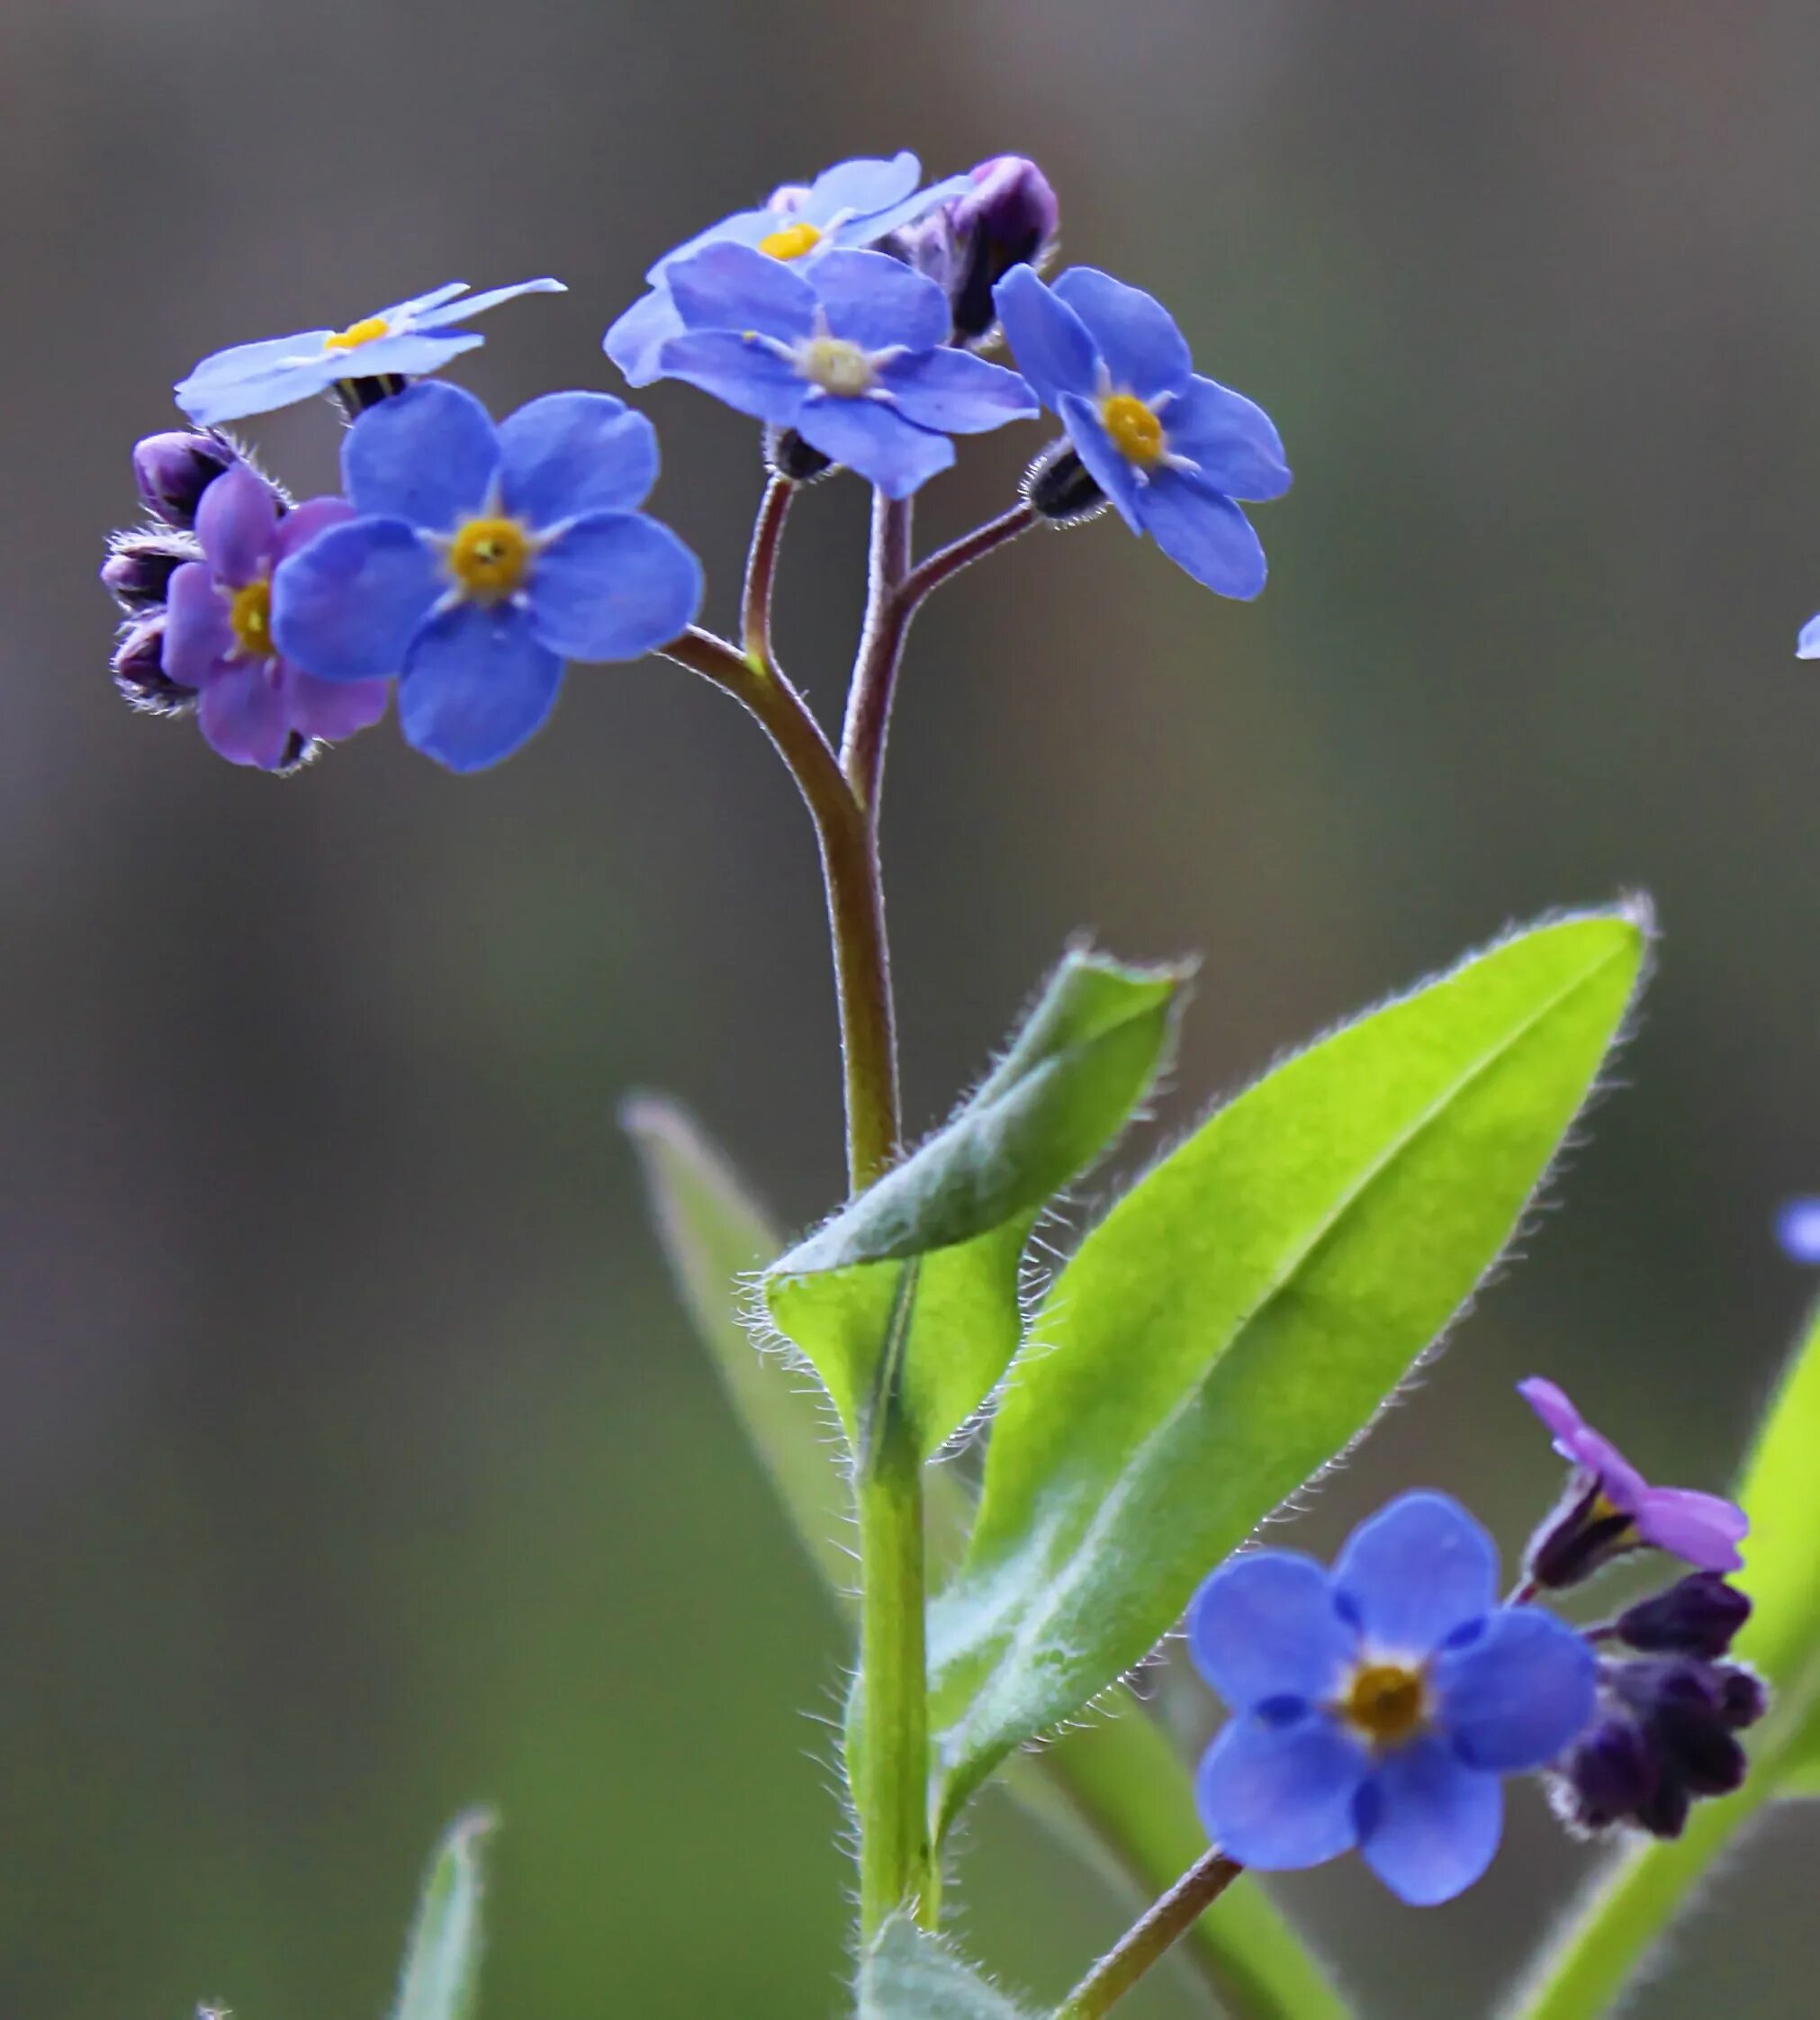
{"x":1665,"y":1813}
{"x":173,"y":471}
{"x":786,"y":454}
{"x":1609,"y":1775}
{"x":1698,"y":1615}
{"x":1681,"y":1706}
{"x":140,"y":566}
{"x":1009,"y":218}
{"x":139,"y":670}
{"x":299,"y":751}
{"x":1583,"y":1535}
{"x":1744,"y":1696}
{"x":1057,"y":488}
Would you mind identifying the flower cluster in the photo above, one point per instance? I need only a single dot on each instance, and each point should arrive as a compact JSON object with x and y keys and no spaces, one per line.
{"x":465,"y":564}
{"x":1379,"y":1706}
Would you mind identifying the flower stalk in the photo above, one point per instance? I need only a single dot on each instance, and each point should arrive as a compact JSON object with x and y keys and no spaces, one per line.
{"x":1150,"y":1937}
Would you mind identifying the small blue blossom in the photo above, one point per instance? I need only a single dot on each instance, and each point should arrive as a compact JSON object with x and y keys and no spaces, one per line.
{"x":1380,"y":1704}
{"x":1797,"y":1224}
{"x":410,"y":339}
{"x":853,"y":354}
{"x":1170,"y":449}
{"x":482,"y":559}
{"x":853,"y":204}
{"x":1808,"y":646}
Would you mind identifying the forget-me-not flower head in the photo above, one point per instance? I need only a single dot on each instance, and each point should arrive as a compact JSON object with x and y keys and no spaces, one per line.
{"x":1807,"y":645}
{"x":254,"y":703}
{"x":852,"y":355}
{"x":409,"y":339}
{"x":482,"y":558}
{"x":1172,"y":450}
{"x":1610,"y":1508}
{"x":853,"y":204}
{"x":1379,"y":1705}
{"x":1798,"y":1223}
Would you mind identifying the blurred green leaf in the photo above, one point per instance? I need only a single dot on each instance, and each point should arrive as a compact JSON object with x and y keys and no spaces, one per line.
{"x":1239,"y":1316}
{"x":442,"y":1965}
{"x":913,"y":1286}
{"x":1114,"y":1790}
{"x":907,"y":1975}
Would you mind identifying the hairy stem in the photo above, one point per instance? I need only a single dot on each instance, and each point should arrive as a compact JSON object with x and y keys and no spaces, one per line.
{"x":760,"y":571}
{"x":881,"y":650}
{"x":1150,"y":1937}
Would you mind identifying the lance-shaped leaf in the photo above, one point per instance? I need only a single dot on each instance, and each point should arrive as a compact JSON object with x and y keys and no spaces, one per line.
{"x":1115,"y":1788}
{"x":1241,"y":1315}
{"x":907,"y":1975}
{"x":913,"y":1287}
{"x":443,"y":1961}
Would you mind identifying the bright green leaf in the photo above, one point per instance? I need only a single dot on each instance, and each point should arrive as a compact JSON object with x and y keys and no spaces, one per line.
{"x":1241,"y":1315}
{"x":907,"y":1975}
{"x":912,"y":1288}
{"x":442,"y":1964}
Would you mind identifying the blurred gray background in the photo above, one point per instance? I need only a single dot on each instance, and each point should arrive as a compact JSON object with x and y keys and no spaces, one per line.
{"x":353,"y":1461}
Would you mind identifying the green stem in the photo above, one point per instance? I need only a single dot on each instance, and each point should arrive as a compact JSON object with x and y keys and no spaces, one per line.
{"x":1150,"y":1937}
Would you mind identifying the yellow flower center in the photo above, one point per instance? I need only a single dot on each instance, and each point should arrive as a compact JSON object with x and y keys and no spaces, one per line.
{"x":1385,"y":1701}
{"x":836,"y":366}
{"x":490,"y":558}
{"x":250,"y":616}
{"x":357,"y":334}
{"x":1136,"y":431}
{"x":792,"y":242}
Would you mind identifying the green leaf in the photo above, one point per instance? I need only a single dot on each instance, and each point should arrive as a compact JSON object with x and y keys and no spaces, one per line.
{"x":907,"y":1975}
{"x":1114,"y":1790}
{"x":912,"y":1290}
{"x":716,"y":1238}
{"x":441,"y":1966}
{"x":1237,"y":1318}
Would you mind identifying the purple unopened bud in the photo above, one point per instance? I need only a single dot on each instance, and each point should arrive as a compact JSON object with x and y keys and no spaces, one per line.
{"x":786,"y":454}
{"x":1009,"y":218}
{"x":173,"y":471}
{"x":139,"y":670}
{"x":1744,"y":1696}
{"x":1680,"y":1705}
{"x":1583,"y":1535}
{"x":1609,"y":1775}
{"x":1060,"y":490}
{"x":1697,"y":1615}
{"x":140,"y":566}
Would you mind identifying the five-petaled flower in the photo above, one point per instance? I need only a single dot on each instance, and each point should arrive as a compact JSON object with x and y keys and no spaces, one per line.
{"x":854,"y":204}
{"x":484,"y":558}
{"x":1378,"y":1704}
{"x":852,"y":355}
{"x":1172,"y":450}
{"x":256,"y":706}
{"x":1610,"y":1509}
{"x":409,"y":339}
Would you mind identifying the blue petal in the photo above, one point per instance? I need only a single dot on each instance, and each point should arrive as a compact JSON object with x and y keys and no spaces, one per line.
{"x":240,"y":362}
{"x":863,"y":187}
{"x":1279,"y":1796}
{"x":956,"y":392}
{"x":477,"y":684}
{"x":880,"y":224}
{"x":236,"y":525}
{"x":198,"y":635}
{"x":1052,"y":346}
{"x":571,"y":453}
{"x":346,"y":607}
{"x":1263,"y":1625}
{"x":876,"y":302}
{"x":428,"y":455}
{"x":1419,"y":1569}
{"x":1231,"y":437}
{"x":243,"y":715}
{"x":1108,"y":469}
{"x":612,"y":586}
{"x":744,"y":227}
{"x":417,"y":303}
{"x":868,"y":436}
{"x":1203,"y":533}
{"x":1514,"y":1696}
{"x":1136,"y":335}
{"x":1806,"y":646}
{"x":728,"y":286}
{"x":745,"y":372}
{"x":634,"y":342}
{"x":1428,"y":1825}
{"x":406,"y":355}
{"x":431,"y":312}
{"x":213,"y":403}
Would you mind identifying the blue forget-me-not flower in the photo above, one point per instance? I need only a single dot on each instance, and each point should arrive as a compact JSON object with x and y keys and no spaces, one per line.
{"x":854,"y":204}
{"x":852,"y":355}
{"x":1170,"y":449}
{"x":1380,"y":1704}
{"x":482,"y":558}
{"x":409,"y":339}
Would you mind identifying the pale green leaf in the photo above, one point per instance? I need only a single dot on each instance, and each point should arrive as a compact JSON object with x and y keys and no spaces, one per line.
{"x":1241,"y":1314}
{"x":442,"y":1964}
{"x":907,"y":1975}
{"x":912,"y":1290}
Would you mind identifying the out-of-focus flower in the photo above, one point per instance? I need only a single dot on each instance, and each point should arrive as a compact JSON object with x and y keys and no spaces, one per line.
{"x":1380,"y":1704}
{"x":1008,"y":217}
{"x":1798,"y":1225}
{"x":854,"y":204}
{"x":409,"y":339}
{"x":852,"y":354}
{"x":254,"y":705}
{"x":1172,"y":451}
{"x":482,"y":558}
